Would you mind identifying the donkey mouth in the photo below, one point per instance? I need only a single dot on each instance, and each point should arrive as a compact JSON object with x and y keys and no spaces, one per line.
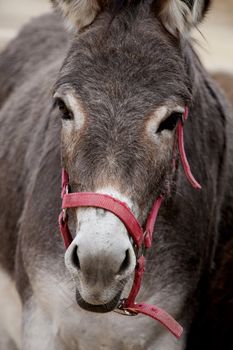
{"x":104,"y":308}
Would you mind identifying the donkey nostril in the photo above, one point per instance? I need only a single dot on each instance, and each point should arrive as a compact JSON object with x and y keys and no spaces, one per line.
{"x":75,"y":258}
{"x":126,"y":263}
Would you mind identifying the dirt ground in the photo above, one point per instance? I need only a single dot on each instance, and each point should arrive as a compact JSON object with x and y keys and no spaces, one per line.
{"x":215,"y":47}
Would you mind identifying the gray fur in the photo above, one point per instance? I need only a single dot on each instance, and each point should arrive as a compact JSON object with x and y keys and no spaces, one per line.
{"x":178,"y":16}
{"x":121,"y":72}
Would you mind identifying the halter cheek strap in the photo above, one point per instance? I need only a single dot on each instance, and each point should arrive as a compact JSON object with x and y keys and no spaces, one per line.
{"x":184,"y":160}
{"x":142,"y":238}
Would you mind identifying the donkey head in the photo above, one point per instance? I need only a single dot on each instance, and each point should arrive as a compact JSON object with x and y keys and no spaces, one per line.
{"x":120,"y":94}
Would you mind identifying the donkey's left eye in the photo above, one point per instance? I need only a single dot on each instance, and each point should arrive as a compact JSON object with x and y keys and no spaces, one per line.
{"x":66,"y":114}
{"x":170,"y":123}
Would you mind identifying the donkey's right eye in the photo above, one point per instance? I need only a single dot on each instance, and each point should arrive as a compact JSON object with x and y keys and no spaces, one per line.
{"x":66,"y":114}
{"x":170,"y":123}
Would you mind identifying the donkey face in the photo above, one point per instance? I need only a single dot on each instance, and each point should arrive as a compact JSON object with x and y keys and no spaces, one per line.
{"x":120,"y":94}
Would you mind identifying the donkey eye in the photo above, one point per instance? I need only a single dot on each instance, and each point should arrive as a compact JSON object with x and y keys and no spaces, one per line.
{"x":170,"y":123}
{"x":66,"y":114}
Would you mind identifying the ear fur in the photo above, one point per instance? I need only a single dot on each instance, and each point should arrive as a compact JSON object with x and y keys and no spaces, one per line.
{"x":179,"y":16}
{"x":77,"y":13}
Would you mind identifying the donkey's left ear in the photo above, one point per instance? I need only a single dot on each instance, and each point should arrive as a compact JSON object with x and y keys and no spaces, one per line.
{"x":77,"y":13}
{"x":179,"y":16}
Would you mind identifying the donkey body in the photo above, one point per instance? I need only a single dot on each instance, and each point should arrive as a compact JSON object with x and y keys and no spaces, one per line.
{"x":121,"y":71}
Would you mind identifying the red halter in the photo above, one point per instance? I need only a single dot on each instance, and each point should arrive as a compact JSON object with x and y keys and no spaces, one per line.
{"x":142,"y":237}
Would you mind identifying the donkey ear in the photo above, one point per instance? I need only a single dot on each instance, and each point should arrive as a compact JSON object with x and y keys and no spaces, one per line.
{"x":77,"y":13}
{"x":179,"y":16}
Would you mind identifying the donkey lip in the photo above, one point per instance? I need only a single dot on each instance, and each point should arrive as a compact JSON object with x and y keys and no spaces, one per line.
{"x":104,"y":308}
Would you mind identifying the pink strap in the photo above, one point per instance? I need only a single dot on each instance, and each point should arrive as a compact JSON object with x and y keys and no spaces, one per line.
{"x":139,"y":270}
{"x":185,"y":163}
{"x":150,"y":224}
{"x":149,"y":310}
{"x":120,"y":209}
{"x":160,"y":315}
{"x":65,"y":231}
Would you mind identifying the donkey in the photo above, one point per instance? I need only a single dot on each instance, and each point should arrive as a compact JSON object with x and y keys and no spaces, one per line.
{"x":115,"y":89}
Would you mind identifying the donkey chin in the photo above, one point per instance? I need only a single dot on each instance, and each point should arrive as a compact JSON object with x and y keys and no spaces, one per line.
{"x":101,"y":260}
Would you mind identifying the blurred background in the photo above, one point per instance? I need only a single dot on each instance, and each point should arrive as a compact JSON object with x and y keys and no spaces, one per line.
{"x":215,"y":39}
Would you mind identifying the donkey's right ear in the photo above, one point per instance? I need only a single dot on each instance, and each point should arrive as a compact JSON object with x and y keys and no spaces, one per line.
{"x":179,"y":16}
{"x":77,"y":13}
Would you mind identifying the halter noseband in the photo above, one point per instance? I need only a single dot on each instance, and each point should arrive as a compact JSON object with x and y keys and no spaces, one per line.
{"x":142,"y":237}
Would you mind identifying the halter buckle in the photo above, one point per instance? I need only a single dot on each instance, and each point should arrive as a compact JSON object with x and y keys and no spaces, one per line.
{"x":122,"y":311}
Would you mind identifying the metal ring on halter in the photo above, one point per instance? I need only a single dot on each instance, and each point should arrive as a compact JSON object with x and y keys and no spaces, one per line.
{"x":120,"y":309}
